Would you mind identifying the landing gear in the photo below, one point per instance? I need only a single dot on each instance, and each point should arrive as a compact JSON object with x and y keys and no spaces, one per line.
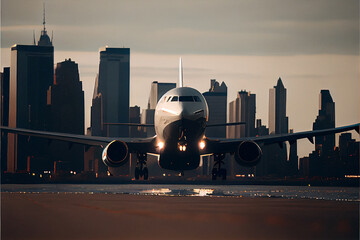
{"x":217,"y":170}
{"x":141,"y":170}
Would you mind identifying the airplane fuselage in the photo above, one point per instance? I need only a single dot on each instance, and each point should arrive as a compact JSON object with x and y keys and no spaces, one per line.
{"x":180,"y":122}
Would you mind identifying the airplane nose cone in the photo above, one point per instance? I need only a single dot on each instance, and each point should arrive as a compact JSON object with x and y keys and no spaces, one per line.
{"x":184,"y":113}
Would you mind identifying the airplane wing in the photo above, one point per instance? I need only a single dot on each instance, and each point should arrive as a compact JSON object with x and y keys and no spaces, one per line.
{"x":230,"y":145}
{"x":134,"y":144}
{"x":225,"y":124}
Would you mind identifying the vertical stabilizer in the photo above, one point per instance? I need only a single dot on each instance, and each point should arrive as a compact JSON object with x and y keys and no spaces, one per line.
{"x":180,"y":74}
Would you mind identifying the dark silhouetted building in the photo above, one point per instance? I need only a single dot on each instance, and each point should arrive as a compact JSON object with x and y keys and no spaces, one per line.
{"x":349,"y":154}
{"x":31,"y":75}
{"x":216,"y":99}
{"x":325,"y":119}
{"x":111,"y":93}
{"x":4,"y":90}
{"x":261,"y":130}
{"x":278,"y":124}
{"x":66,"y":110}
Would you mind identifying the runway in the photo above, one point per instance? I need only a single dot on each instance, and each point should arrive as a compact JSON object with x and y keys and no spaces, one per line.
{"x":130,"y":216}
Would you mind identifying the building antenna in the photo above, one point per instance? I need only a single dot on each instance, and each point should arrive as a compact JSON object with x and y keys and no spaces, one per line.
{"x":44,"y":17}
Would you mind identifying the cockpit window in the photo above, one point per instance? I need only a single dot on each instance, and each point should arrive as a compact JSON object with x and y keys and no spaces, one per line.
{"x":186,"y":99}
{"x":167,"y":99}
{"x":197,"y":99}
{"x":174,"y":98}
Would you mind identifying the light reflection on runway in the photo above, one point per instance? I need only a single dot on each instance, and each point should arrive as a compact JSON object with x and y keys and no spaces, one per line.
{"x":288,"y":192}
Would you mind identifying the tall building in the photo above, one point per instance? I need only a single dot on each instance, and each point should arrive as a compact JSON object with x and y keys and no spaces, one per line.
{"x":349,"y":154}
{"x":31,"y":74}
{"x":325,"y":119}
{"x":216,"y":99}
{"x":278,"y":122}
{"x":111,"y":93}
{"x":277,"y":163}
{"x":66,"y":109}
{"x":4,"y":91}
{"x":157,"y":91}
{"x":242,"y":109}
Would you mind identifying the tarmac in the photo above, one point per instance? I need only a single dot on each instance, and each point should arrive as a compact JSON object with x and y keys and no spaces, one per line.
{"x":124,"y":216}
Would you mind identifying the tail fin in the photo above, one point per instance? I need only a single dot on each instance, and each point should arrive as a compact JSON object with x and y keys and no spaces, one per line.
{"x":180,"y":74}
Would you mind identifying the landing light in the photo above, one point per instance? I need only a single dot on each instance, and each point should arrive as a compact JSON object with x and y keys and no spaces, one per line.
{"x":202,"y":145}
{"x":160,"y":145}
{"x":182,"y":148}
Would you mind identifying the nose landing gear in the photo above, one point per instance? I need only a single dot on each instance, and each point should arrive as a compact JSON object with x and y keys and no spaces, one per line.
{"x":141,"y":170}
{"x":217,"y":170}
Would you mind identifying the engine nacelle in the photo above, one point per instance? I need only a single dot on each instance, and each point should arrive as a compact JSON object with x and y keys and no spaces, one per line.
{"x":248,"y":154}
{"x":115,"y":154}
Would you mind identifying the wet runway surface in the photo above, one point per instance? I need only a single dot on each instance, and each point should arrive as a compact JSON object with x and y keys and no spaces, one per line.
{"x":152,"y":215}
{"x":286,"y":192}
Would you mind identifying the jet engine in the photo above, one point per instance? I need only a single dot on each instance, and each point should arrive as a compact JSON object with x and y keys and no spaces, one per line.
{"x":115,"y":154}
{"x":248,"y":154}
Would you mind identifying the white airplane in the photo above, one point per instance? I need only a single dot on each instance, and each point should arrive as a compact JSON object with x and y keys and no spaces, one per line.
{"x":181,"y":117}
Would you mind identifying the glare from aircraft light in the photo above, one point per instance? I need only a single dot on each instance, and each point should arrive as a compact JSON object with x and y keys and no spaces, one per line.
{"x":161,"y":145}
{"x":169,"y":111}
{"x":202,"y":145}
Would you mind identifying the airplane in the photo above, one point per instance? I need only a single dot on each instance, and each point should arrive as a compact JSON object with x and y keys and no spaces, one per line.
{"x":181,"y":117}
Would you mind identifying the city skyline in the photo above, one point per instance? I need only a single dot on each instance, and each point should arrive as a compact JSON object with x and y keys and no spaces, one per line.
{"x":304,"y":71}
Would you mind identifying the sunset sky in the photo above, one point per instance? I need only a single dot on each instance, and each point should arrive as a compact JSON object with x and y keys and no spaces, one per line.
{"x":248,"y":44}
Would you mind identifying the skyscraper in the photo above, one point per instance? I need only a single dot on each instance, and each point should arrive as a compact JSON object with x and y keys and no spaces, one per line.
{"x":111,"y":93}
{"x":278,"y":122}
{"x":66,"y":109}
{"x":216,"y":99}
{"x":31,"y":74}
{"x":242,"y":109}
{"x":276,"y":164}
{"x":4,"y":93}
{"x":325,"y":119}
{"x":157,"y":91}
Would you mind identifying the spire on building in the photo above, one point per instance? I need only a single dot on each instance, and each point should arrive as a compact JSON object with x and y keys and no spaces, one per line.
{"x":44,"y":38}
{"x":280,"y":83}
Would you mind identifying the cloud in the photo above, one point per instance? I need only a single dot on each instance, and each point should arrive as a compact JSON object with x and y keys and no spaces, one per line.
{"x":233,"y":27}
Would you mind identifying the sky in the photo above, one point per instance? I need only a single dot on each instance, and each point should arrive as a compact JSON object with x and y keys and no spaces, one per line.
{"x":248,"y":44}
